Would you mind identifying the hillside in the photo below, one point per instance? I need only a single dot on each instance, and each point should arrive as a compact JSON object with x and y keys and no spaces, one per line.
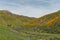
{"x":8,"y":34}
{"x":19,"y":27}
{"x":47,"y":19}
{"x":49,"y":23}
{"x":7,"y":18}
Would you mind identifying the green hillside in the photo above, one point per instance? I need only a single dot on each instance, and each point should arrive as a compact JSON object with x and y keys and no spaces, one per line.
{"x":19,"y":27}
{"x":44,"y":20}
{"x":8,"y":34}
{"x":7,"y":18}
{"x":49,"y":23}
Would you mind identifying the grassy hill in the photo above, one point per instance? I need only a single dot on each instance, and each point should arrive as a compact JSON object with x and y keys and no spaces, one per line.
{"x":47,"y":19}
{"x":7,"y":18}
{"x":49,"y":23}
{"x":18,"y":27}
{"x":8,"y":34}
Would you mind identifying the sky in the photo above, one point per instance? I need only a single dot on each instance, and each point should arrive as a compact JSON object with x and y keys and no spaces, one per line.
{"x":31,"y":8}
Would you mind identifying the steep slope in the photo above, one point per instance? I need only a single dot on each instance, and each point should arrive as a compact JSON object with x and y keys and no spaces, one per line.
{"x":51,"y":22}
{"x":50,"y":18}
